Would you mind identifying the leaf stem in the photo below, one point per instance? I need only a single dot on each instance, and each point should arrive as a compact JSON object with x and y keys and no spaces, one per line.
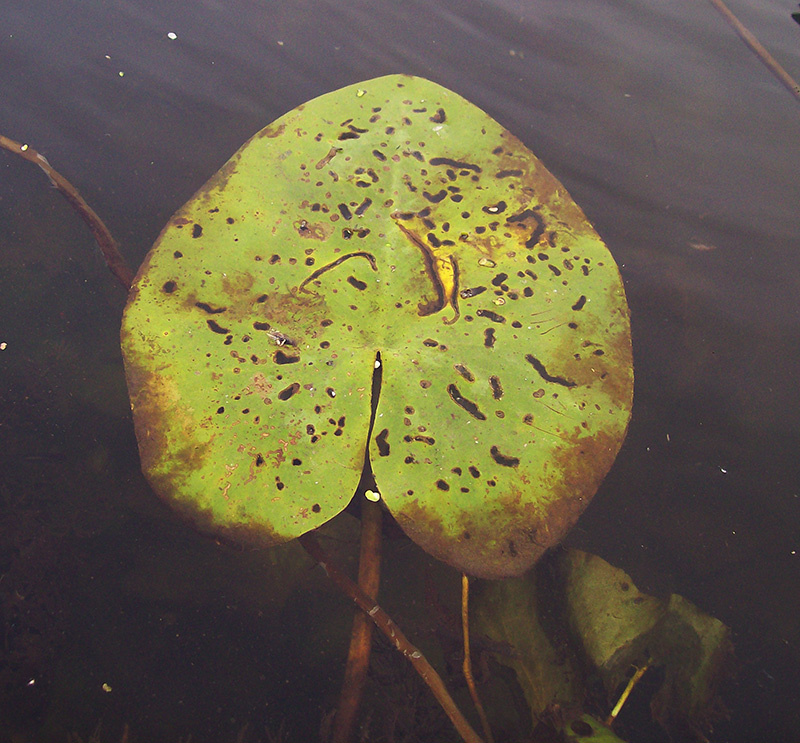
{"x":467,"y":667}
{"x":385,"y":624}
{"x":609,"y":721}
{"x":355,"y":675}
{"x":108,"y":246}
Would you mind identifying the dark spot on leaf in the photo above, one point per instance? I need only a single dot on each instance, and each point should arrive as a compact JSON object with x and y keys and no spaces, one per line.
{"x":455,"y":164}
{"x":430,"y":343}
{"x":220,"y":410}
{"x":330,"y":392}
{"x":499,"y":279}
{"x":493,"y":316}
{"x":435,"y":198}
{"x":197,"y":230}
{"x":292,"y":389}
{"x":274,"y":259}
{"x":217,"y":328}
{"x":281,"y":358}
{"x":580,"y":303}
{"x":261,"y":325}
{"x":438,"y":117}
{"x":382,"y":443}
{"x":209,"y":309}
{"x":502,"y":459}
{"x":488,"y":338}
{"x":423,"y":439}
{"x":473,"y":292}
{"x":464,"y":403}
{"x":316,"y":508}
{"x":497,"y":388}
{"x":508,"y":173}
{"x":425,"y":384}
{"x":259,"y":461}
{"x":177,"y":254}
{"x":344,"y":210}
{"x":464,"y":372}
{"x":379,"y":155}
{"x":169,"y":287}
{"x":544,"y":374}
{"x":363,"y":206}
{"x":474,"y":471}
{"x":353,"y":281}
{"x":409,"y":459}
{"x":442,"y":485}
{"x":297,"y":462}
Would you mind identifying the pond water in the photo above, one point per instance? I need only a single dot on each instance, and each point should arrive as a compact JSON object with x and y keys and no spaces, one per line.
{"x":679,"y":145}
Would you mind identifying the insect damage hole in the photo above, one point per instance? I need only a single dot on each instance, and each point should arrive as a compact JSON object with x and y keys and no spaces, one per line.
{"x":502,"y":459}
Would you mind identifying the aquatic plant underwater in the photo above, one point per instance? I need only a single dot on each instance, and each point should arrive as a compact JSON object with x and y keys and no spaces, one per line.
{"x":384,"y":299}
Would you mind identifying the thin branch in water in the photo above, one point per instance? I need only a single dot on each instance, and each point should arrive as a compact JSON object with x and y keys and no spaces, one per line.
{"x":385,"y":624}
{"x":758,"y":49}
{"x":108,"y":245}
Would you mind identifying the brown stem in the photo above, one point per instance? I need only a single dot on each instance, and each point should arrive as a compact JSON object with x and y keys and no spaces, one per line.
{"x":108,"y":246}
{"x":385,"y":624}
{"x":355,"y":675}
{"x":467,"y":666}
{"x":758,"y":49}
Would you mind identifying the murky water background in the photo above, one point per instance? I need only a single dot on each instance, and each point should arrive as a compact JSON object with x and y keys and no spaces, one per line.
{"x":677,"y":143}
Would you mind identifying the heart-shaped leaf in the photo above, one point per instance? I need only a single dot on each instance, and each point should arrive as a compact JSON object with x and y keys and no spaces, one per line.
{"x":389,"y":224}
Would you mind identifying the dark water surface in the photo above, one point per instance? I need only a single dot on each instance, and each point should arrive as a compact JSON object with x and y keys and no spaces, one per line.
{"x":680,"y":147}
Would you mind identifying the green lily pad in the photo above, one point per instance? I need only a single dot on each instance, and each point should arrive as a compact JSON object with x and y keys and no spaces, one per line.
{"x":391,"y":225}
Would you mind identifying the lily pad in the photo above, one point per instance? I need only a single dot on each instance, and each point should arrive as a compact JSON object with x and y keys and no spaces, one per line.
{"x":391,"y":226}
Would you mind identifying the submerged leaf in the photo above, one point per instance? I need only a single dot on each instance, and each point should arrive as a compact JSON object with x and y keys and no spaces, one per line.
{"x":610,"y":615}
{"x":389,"y":224}
{"x":575,"y":618}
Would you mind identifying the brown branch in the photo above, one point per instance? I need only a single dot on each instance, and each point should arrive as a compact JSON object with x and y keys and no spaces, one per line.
{"x":369,"y":572}
{"x":467,"y":665}
{"x":385,"y":624}
{"x":758,"y":49}
{"x":108,"y":246}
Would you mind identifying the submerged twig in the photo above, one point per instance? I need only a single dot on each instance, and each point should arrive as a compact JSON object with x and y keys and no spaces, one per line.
{"x":108,"y":246}
{"x":385,"y":624}
{"x":758,"y":49}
